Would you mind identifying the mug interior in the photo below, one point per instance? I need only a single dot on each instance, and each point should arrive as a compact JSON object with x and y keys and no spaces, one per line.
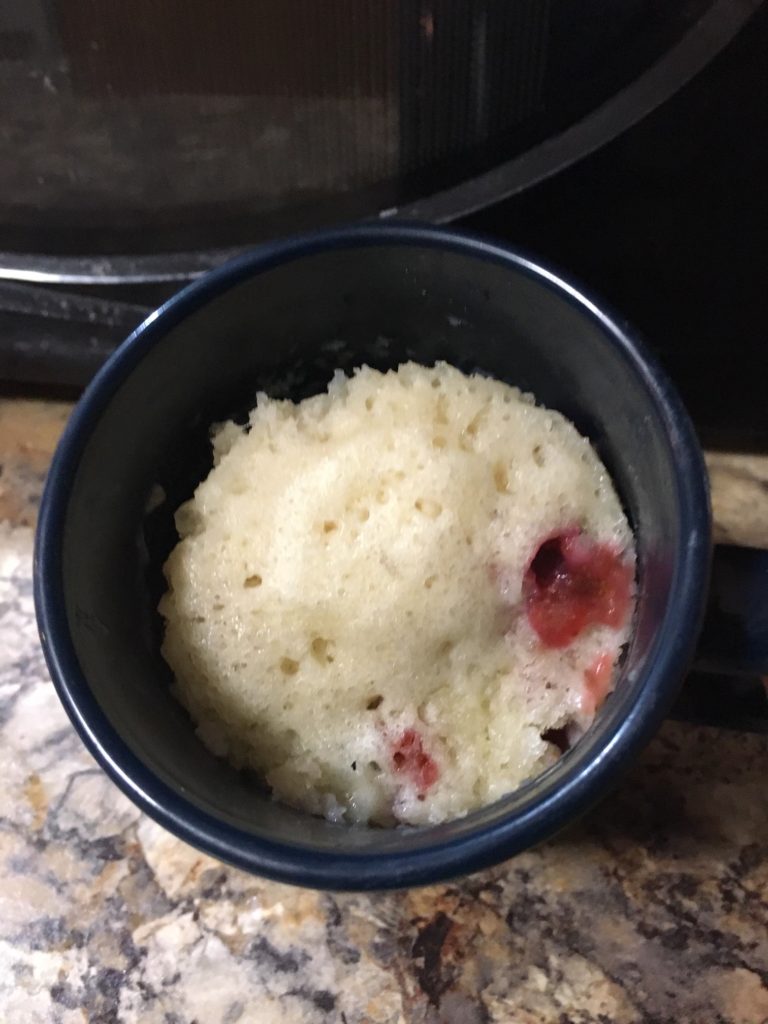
{"x":284,"y":329}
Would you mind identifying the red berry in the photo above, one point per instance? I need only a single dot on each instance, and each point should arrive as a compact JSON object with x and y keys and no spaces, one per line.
{"x":597,"y":682}
{"x":409,"y":758}
{"x":573,"y":582}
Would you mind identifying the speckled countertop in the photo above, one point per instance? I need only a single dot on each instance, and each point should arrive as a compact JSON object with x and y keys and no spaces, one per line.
{"x":652,"y":910}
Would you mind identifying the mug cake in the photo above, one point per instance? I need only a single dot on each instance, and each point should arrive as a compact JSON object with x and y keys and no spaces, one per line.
{"x":398,"y":600}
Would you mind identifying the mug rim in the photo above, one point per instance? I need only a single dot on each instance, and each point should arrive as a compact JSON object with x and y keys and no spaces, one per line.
{"x":673,"y":644}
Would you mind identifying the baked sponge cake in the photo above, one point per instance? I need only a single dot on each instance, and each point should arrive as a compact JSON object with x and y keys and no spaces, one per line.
{"x":396,"y":601}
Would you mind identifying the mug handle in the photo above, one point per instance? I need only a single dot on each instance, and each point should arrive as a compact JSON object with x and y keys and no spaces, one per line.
{"x":735,"y":634}
{"x":728,"y":685}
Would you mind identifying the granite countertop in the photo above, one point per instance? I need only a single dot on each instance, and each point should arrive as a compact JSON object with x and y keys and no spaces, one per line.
{"x":652,"y":910}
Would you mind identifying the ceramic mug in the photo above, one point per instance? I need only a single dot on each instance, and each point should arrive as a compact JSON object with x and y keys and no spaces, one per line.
{"x":281,"y":319}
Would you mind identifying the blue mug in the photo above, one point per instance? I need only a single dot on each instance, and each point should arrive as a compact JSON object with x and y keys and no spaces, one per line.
{"x":383,"y":294}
